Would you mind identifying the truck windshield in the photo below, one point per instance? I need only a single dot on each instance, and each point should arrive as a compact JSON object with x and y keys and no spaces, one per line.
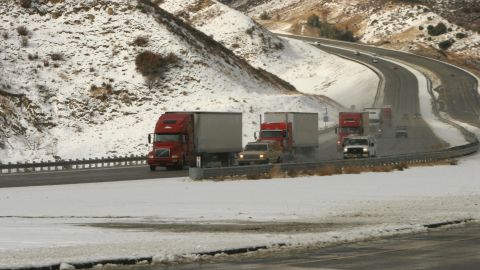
{"x":356,"y":141}
{"x":256,"y":147}
{"x":271,"y":134}
{"x":349,"y":130}
{"x":168,"y":137}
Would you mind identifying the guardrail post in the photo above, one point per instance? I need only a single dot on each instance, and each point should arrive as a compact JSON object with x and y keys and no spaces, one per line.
{"x":9,"y":170}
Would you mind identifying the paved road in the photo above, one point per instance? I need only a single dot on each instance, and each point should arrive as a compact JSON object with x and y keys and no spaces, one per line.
{"x":441,"y":249}
{"x":401,"y":91}
{"x":459,"y":91}
{"x":85,"y":176}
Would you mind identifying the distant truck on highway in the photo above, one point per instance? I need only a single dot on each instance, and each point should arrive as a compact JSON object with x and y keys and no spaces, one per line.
{"x":295,"y":132}
{"x":387,"y":115}
{"x":359,"y":147}
{"x":197,"y":139}
{"x":375,"y":120}
{"x":351,"y":123}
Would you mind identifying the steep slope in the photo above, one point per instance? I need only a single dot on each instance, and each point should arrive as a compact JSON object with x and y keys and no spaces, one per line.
{"x":393,"y":24}
{"x":309,"y":69}
{"x":72,"y":83}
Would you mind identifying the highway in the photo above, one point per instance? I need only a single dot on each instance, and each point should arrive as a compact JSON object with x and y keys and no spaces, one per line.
{"x":459,"y":90}
{"x":440,"y":250}
{"x":401,"y":91}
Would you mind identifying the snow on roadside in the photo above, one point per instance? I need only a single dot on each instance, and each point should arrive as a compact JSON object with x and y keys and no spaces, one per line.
{"x":444,"y":131}
{"x":40,"y":225}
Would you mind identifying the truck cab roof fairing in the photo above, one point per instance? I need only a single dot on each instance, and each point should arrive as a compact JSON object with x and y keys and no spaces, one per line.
{"x":172,"y":123}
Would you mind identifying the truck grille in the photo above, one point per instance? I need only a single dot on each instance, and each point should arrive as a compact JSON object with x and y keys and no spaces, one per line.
{"x":162,"y":152}
{"x":355,"y":151}
{"x":251,"y":157}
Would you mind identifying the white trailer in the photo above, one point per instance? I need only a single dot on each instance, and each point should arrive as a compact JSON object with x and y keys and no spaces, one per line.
{"x":304,"y":127}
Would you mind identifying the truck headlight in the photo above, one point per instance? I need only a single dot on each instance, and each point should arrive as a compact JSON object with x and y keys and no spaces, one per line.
{"x":151,"y":156}
{"x":174,"y":156}
{"x":241,"y":155}
{"x":262,"y":156}
{"x":345,"y":149}
{"x":365,"y":149}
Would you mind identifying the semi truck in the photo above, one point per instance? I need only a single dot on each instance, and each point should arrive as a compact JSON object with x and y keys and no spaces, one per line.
{"x":387,"y":115}
{"x":196,"y":139}
{"x":296,"y":132}
{"x":375,"y":120}
{"x":351,"y":123}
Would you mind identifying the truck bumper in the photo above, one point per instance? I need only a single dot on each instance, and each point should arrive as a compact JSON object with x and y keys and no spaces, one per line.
{"x":356,"y":155}
{"x":163,"y":162}
{"x":252,"y":162}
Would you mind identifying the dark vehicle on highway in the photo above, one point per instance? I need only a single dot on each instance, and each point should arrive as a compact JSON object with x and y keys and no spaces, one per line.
{"x":401,"y":131}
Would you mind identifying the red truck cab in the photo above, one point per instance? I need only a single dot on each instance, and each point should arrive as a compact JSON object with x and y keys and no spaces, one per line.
{"x":279,"y":132}
{"x":351,"y":123}
{"x":171,"y":144}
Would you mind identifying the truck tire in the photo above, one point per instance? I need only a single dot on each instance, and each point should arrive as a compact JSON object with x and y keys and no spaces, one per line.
{"x":152,"y":167}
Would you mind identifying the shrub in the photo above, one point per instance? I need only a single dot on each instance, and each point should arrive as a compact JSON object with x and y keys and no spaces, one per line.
{"x":438,"y":30}
{"x":26,"y":3}
{"x":250,"y":30}
{"x":56,"y":56}
{"x":420,"y":28}
{"x":5,"y":35}
{"x":32,"y":57}
{"x":313,"y":21}
{"x":444,"y":45}
{"x":22,"y":31}
{"x":102,"y":93}
{"x":150,"y":63}
{"x":141,"y":41}
{"x":265,"y":16}
{"x":461,"y":35}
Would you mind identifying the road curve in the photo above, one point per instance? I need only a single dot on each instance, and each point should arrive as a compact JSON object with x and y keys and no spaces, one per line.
{"x":459,"y":90}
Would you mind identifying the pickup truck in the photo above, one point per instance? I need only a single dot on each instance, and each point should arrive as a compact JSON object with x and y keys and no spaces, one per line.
{"x":260,"y":153}
{"x":359,"y":147}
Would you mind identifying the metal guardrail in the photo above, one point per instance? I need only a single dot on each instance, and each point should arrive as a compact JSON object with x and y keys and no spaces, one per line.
{"x":263,"y":170}
{"x":76,"y":164}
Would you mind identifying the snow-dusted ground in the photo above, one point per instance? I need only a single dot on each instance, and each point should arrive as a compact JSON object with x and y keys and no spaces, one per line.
{"x":309,"y":69}
{"x":46,"y":225}
{"x":63,"y":116}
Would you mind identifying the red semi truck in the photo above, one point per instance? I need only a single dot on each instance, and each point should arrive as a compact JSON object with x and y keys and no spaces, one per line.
{"x":196,"y":139}
{"x":296,"y":132}
{"x":387,"y":115}
{"x":351,"y":123}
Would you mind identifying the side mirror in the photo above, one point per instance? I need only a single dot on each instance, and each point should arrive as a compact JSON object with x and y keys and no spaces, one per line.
{"x":255,"y":135}
{"x":184,"y":139}
{"x":284,"y":134}
{"x":336,"y":130}
{"x":149,"y":138}
{"x":372,"y":144}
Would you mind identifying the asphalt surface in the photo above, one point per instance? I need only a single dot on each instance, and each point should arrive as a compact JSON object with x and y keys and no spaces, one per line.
{"x":459,"y":92}
{"x":85,"y":176}
{"x":439,"y":249}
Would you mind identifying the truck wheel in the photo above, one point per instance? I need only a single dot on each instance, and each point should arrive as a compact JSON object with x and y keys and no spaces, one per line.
{"x":152,"y":167}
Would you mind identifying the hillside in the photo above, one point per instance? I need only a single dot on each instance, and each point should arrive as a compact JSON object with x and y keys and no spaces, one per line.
{"x":76,"y":81}
{"x":309,"y":69}
{"x":443,"y":29}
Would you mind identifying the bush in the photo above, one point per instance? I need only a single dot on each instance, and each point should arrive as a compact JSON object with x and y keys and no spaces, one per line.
{"x":5,"y":35}
{"x":56,"y":56}
{"x":420,"y":28}
{"x":313,"y":21}
{"x":265,"y":16}
{"x":438,"y":30}
{"x":444,"y":45}
{"x":250,"y":30}
{"x":461,"y":35}
{"x":26,"y":3}
{"x":141,"y":41}
{"x":22,"y":31}
{"x":150,"y":63}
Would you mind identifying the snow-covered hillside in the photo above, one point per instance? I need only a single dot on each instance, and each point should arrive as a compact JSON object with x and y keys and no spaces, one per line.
{"x":391,"y":24}
{"x":310,"y":70}
{"x":71,"y":88}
